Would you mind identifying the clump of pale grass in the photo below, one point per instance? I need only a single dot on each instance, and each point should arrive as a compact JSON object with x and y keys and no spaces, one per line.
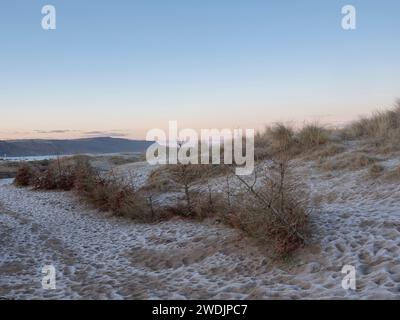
{"x":347,"y":161}
{"x":382,"y":128}
{"x":313,"y":135}
{"x":393,"y":175}
{"x":8,"y":169}
{"x":160,"y":180}
{"x":327,"y":151}
{"x":282,"y":138}
{"x":375,"y":170}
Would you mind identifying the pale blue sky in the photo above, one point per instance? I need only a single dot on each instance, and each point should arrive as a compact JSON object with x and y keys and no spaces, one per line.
{"x":123,"y":67}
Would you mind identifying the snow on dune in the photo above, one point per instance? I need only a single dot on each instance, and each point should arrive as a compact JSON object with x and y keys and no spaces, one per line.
{"x":101,"y":257}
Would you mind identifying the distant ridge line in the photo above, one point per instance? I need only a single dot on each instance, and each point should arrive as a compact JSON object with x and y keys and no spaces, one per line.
{"x":43,"y":147}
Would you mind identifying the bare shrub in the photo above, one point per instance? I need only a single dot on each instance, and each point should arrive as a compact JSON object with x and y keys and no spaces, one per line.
{"x":195,"y":194}
{"x":59,"y":175}
{"x":272,"y":208}
{"x":106,"y":193}
{"x":25,"y":175}
{"x":185,"y":175}
{"x":149,"y":194}
{"x":109,"y":193}
{"x":210,"y":204}
{"x":122,"y":200}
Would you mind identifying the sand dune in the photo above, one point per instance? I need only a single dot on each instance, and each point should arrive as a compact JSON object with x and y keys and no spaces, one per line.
{"x":102,"y":257}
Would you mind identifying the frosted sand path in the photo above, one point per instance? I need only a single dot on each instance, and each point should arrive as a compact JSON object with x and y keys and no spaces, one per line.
{"x":99,"y":257}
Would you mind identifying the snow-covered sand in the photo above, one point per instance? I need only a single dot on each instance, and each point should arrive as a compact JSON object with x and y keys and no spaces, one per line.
{"x":110,"y":258}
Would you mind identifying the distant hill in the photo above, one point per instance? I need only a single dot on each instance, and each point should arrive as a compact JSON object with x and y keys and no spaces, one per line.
{"x":39,"y":147}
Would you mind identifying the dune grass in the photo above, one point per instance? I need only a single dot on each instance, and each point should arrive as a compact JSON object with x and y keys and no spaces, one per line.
{"x":382,"y":129}
{"x":282,"y":138}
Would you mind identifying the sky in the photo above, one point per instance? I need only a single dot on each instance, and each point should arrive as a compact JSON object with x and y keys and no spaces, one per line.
{"x":121,"y":68}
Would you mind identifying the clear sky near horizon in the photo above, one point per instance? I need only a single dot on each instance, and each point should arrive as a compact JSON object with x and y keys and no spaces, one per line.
{"x":120,"y":68}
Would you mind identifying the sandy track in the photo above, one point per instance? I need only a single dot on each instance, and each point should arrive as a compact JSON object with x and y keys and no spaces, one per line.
{"x":98,"y":257}
{"x":101,"y":257}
